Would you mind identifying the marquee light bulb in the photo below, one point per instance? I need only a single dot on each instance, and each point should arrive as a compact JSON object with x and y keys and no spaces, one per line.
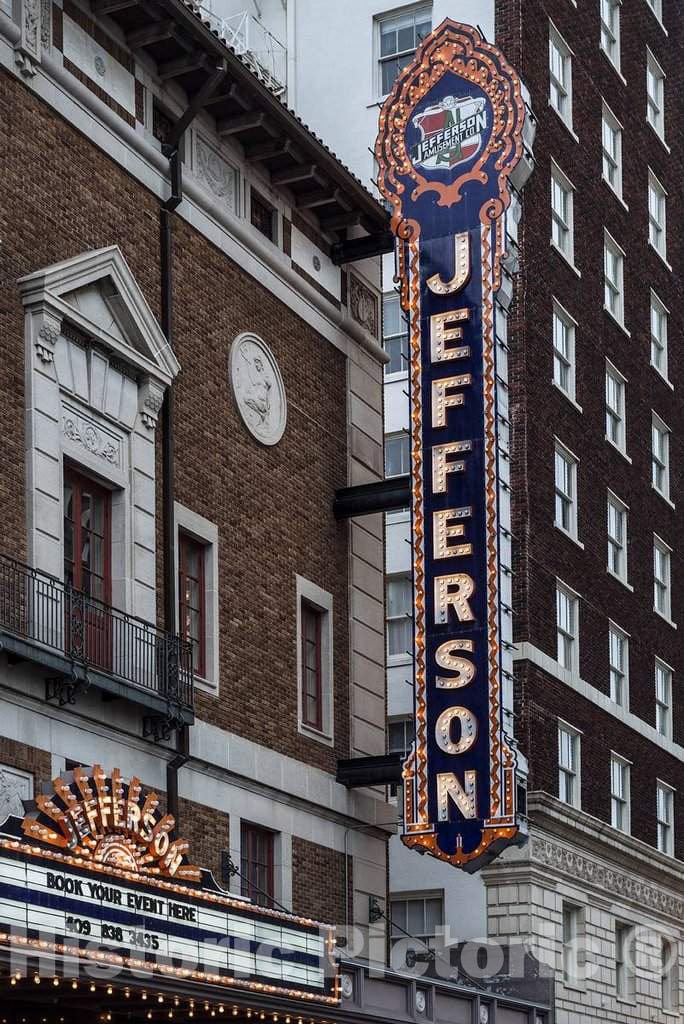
{"x":36,"y":979}
{"x":55,"y":981}
{"x":74,"y":984}
{"x":144,"y":995}
{"x":92,"y":986}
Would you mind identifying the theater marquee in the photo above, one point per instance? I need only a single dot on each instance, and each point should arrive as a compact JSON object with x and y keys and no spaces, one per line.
{"x":91,"y":875}
{"x":450,"y":136}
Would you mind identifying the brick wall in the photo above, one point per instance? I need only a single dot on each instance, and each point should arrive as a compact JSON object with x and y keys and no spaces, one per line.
{"x":208,"y":832}
{"x":318,"y":882}
{"x":272,"y":506}
{"x":540,"y":411}
{"x":27,"y":759}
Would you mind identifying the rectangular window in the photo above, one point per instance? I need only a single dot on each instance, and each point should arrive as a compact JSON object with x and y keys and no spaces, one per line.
{"x":624,"y":961}
{"x":566,"y":490}
{"x":567,"y":628}
{"x":562,"y":234}
{"x":560,"y":75}
{"x":610,"y":30}
{"x":257,"y":847}
{"x":312,"y":666}
{"x":655,"y":94}
{"x":663,"y":698}
{"x":657,"y":215}
{"x":659,"y":316}
{"x":87,"y":536}
{"x":563,"y":350}
{"x":420,"y":916}
{"x":618,"y":658}
{"x":400,"y":617}
{"x":660,"y":456}
{"x":394,"y":336}
{"x":617,"y":537}
{"x":665,"y":818}
{"x":615,"y":407}
{"x":611,"y":133}
{"x":400,"y":34}
{"x":669,"y":971}
{"x":657,"y":8}
{"x":315,"y":660}
{"x":662,"y":599}
{"x":397,"y":454}
{"x":613,"y":276}
{"x":263,"y":216}
{"x":400,"y":736}
{"x":191,"y":599}
{"x":572,"y":922}
{"x":568,"y":765}
{"x":619,"y":793}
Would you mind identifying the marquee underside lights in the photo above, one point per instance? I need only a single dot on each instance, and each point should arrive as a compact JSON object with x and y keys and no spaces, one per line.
{"x":450,"y":135}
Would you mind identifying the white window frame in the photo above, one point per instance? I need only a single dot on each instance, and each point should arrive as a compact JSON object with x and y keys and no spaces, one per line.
{"x":405,"y":656}
{"x":657,"y":221}
{"x":610,"y":33}
{"x":615,"y":287}
{"x":617,"y":415}
{"x":665,"y":818}
{"x":565,"y":498}
{"x":391,"y":15}
{"x":660,"y":460}
{"x":562,"y":86}
{"x":565,"y":223}
{"x":572,"y":927}
{"x":322,"y":601}
{"x":206,"y":534}
{"x":659,"y":312}
{"x":611,"y":159}
{"x":392,"y":298}
{"x":563,"y":359}
{"x":419,"y":896}
{"x":570,"y":636}
{"x":620,"y":795}
{"x":657,"y":8}
{"x":405,"y":439}
{"x":572,"y":771}
{"x":618,"y":556}
{"x":663,"y":698}
{"x":618,"y":639}
{"x":665,"y":551}
{"x":655,"y":104}
{"x":625,"y":978}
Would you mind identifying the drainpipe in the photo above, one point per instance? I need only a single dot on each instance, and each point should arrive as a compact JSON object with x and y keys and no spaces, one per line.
{"x":171,"y":150}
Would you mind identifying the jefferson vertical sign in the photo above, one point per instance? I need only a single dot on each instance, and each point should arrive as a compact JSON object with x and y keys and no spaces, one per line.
{"x":450,"y":136}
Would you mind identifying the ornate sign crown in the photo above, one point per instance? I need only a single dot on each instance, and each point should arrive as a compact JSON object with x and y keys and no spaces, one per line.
{"x":103,"y":819}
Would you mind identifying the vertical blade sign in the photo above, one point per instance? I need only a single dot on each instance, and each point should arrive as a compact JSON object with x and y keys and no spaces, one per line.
{"x":450,"y":135}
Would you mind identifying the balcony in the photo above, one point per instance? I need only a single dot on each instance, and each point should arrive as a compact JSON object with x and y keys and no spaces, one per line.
{"x":85,"y":643}
{"x":251,"y":40}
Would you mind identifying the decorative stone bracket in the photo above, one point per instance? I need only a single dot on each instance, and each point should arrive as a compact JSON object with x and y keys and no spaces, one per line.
{"x":150,"y":398}
{"x":34,"y":18}
{"x":45,"y":329}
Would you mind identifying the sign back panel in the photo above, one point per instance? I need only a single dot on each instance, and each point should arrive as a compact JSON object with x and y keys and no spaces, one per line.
{"x":450,"y":136}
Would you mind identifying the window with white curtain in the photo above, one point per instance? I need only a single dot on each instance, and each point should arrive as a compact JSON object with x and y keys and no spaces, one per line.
{"x":567,"y":631}
{"x":399,"y":617}
{"x":655,"y":94}
{"x":660,"y":456}
{"x":619,"y":793}
{"x":563,"y":350}
{"x":617,"y":537}
{"x":657,"y":215}
{"x":560,"y":75}
{"x":613,"y":278}
{"x":611,"y":136}
{"x":665,"y":818}
{"x":663,"y":698}
{"x":565,"y":476}
{"x":562,"y":232}
{"x":662,"y":588}
{"x":569,"y":781}
{"x":615,"y":407}
{"x":618,"y":660}
{"x":659,"y":318}
{"x":610,"y":30}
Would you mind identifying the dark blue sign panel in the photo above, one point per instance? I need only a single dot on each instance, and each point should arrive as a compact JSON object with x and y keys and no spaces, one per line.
{"x":450,"y":136}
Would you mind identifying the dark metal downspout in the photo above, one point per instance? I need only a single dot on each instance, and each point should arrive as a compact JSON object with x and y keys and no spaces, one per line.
{"x":172,"y":150}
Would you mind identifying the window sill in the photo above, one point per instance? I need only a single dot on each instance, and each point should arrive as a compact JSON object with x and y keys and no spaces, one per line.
{"x":390,"y":378}
{"x":664,"y":618}
{"x":659,"y":254}
{"x":662,"y":376}
{"x":615,"y":320}
{"x":397,"y":660}
{"x":564,"y":257}
{"x":567,"y":397}
{"x":570,"y":536}
{"x":614,"y":193}
{"x":567,"y":125}
{"x":620,"y":450}
{"x":207,"y":686}
{"x":663,"y":496}
{"x":314,"y":734}
{"x":620,"y":580}
{"x":659,"y":137}
{"x":613,"y":65}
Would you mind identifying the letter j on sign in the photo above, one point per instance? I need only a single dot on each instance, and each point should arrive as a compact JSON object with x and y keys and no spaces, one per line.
{"x":450,"y":136}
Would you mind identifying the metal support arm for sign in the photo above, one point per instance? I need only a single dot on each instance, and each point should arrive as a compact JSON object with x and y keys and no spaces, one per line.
{"x":450,"y":136}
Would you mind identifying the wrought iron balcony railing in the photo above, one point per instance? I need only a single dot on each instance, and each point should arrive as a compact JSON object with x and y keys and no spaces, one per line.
{"x":55,"y":618}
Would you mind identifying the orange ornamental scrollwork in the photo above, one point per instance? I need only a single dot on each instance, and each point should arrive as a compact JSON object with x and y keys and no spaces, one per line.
{"x":104,"y":820}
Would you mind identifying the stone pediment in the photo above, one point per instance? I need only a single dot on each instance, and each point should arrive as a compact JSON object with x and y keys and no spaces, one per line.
{"x":97,"y":292}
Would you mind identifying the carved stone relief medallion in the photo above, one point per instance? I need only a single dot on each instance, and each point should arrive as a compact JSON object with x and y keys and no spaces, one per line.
{"x":258,"y":388}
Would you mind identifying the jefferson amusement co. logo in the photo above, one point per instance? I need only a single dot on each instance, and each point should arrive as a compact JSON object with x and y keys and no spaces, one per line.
{"x":102,"y":819}
{"x":451,"y":132}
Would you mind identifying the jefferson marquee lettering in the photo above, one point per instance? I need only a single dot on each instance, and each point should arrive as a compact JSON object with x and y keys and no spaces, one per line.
{"x":450,"y":135}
